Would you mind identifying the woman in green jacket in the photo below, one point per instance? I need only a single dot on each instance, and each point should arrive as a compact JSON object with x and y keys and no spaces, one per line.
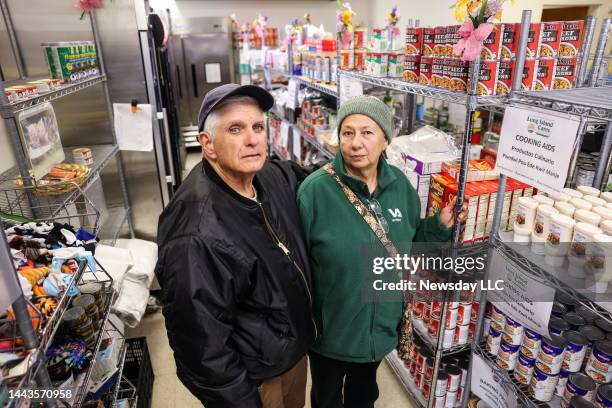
{"x":355,"y":335}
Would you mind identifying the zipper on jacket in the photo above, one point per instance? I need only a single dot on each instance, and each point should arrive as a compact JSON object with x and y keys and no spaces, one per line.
{"x":287,"y":253}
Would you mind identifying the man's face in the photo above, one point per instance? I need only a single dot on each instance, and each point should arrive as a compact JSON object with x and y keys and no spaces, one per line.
{"x":239,"y":143}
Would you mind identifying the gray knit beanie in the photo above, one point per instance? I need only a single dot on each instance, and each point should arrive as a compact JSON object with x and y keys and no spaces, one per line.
{"x":373,"y":108}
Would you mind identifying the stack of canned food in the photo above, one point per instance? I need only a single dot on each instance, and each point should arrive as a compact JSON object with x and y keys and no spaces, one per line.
{"x":575,"y":361}
{"x":71,"y":61}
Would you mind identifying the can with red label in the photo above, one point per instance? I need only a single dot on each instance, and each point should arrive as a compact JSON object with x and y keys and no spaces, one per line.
{"x":451,"y":318}
{"x":428,"y":42}
{"x":427,"y":312}
{"x":433,"y":328}
{"x":461,"y":334}
{"x":471,"y":330}
{"x":565,"y":71}
{"x":492,"y":44}
{"x":487,"y":78}
{"x":452,"y":38}
{"x":418,"y":306}
{"x":412,"y":368}
{"x":458,"y":71}
{"x":411,"y":68}
{"x":464,"y":313}
{"x":426,"y":387}
{"x":425,"y":71}
{"x":437,"y":72}
{"x":454,"y":377}
{"x":428,"y":366}
{"x":509,"y":40}
{"x":571,"y":38}
{"x":360,"y":60}
{"x":419,"y":379}
{"x":475,"y":307}
{"x":449,"y":337}
{"x":414,"y":40}
{"x":533,"y":41}
{"x":544,"y":74}
{"x":550,"y":38}
{"x":505,"y":76}
{"x":529,"y":73}
{"x":446,"y":72}
{"x":439,"y":46}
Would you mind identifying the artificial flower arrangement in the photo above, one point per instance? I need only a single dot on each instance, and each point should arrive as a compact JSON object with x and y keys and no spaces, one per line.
{"x":259,"y":24}
{"x":477,"y":17}
{"x":393,"y":31}
{"x":345,"y":23}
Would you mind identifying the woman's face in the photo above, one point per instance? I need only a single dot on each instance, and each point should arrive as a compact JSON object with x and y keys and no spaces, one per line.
{"x":362,"y":142}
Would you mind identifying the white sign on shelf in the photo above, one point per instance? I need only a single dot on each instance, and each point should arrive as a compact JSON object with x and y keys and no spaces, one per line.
{"x":489,"y":385}
{"x":134,"y":131}
{"x":350,"y":88}
{"x":536,"y":147}
{"x":297,"y":144}
{"x":292,"y":88}
{"x":523,"y":298}
{"x":284,"y":134}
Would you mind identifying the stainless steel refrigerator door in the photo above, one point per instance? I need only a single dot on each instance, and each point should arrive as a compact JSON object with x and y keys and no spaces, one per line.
{"x":207,"y":64}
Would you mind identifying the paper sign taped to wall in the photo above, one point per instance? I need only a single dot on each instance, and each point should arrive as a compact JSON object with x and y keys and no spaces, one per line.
{"x":134,"y":131}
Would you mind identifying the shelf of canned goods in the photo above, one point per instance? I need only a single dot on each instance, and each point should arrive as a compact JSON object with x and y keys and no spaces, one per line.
{"x":329,"y":90}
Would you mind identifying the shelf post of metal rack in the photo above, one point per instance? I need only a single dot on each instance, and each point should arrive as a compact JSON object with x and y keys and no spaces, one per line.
{"x":499,"y":199}
{"x":600,"y":50}
{"x":589,"y":33}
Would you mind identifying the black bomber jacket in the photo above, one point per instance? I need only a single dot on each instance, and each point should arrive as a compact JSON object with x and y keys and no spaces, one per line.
{"x":236,"y":283}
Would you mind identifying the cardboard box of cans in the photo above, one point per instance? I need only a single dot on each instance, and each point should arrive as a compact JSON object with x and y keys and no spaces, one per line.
{"x":573,"y":359}
{"x":480,"y":197}
{"x":22,"y":92}
{"x":315,"y":117}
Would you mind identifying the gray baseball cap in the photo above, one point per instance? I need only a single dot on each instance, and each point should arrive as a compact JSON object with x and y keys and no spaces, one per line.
{"x":217,"y":95}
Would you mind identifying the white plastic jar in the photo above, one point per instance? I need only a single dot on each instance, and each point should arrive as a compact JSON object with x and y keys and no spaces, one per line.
{"x":588,"y":190}
{"x":542,"y":199}
{"x":538,"y":244}
{"x":606,"y":195}
{"x":582,"y":237}
{"x":526,"y":212}
{"x":565,"y":208}
{"x":604,"y":212}
{"x":599,"y":263}
{"x":559,"y":237}
{"x":560,"y":197}
{"x":596,"y":201}
{"x":522,"y":235}
{"x":587,"y":216}
{"x":572,"y":193}
{"x":606,"y":227}
{"x":581,"y":204}
{"x":541,"y":223}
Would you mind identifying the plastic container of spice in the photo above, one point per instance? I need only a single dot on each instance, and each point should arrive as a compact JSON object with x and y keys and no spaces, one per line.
{"x":609,"y":205}
{"x":541,"y":224}
{"x":538,"y":244}
{"x":587,"y":216}
{"x":522,"y":235}
{"x":596,"y":201}
{"x":572,"y":193}
{"x":583,"y":235}
{"x":542,"y":199}
{"x":561,"y":197}
{"x":606,"y":227}
{"x":581,"y":204}
{"x":565,"y":208}
{"x":559,"y":237}
{"x":526,"y":212}
{"x":607,"y":195}
{"x":588,"y":190}
{"x":604,"y":212}
{"x":599,"y":266}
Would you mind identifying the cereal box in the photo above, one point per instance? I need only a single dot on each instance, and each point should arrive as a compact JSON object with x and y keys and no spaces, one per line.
{"x":533,"y":41}
{"x":564,"y":75}
{"x":505,"y":76}
{"x":411,"y":68}
{"x":529,"y":72}
{"x":458,"y":71}
{"x":452,"y":38}
{"x":428,"y":42}
{"x":425,"y":71}
{"x":492,"y":43}
{"x":437,"y":72}
{"x":571,"y":38}
{"x":550,"y":39}
{"x":544,"y":74}
{"x":414,"y":40}
{"x":487,"y":78}
{"x":439,"y":48}
{"x":509,"y":40}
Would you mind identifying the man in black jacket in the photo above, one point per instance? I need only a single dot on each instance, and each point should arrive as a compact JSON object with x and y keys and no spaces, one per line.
{"x":233,"y":265}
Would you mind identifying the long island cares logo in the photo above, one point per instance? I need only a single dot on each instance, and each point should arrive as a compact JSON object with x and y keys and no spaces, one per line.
{"x":539,"y":126}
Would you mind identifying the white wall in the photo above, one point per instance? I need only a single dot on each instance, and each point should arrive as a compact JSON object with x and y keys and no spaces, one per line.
{"x":279,"y":12}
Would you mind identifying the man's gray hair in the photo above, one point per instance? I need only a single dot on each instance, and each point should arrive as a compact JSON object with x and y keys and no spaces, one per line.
{"x":213,"y":117}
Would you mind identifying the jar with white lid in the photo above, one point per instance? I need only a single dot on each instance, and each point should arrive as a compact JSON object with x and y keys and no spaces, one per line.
{"x":558,"y":239}
{"x":588,"y":190}
{"x":541,"y":223}
{"x":587,"y":216}
{"x":606,"y":227}
{"x":599,"y":263}
{"x":542,"y":199}
{"x":596,"y":201}
{"x":526,"y":212}
{"x":604,"y":212}
{"x":606,"y":195}
{"x":538,"y":244}
{"x":572,"y":193}
{"x":522,"y":235}
{"x":560,"y":197}
{"x":581,"y":204}
{"x":565,"y":208}
{"x":583,"y":236}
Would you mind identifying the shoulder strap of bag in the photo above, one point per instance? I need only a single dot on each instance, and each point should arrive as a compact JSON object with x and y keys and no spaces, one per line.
{"x":363,"y":211}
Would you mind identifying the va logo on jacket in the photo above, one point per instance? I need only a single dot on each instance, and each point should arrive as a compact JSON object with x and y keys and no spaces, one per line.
{"x":396,"y":214}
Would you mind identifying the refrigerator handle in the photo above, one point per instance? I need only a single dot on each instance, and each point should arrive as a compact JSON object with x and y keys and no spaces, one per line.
{"x":180,"y":83}
{"x":164,"y":118}
{"x":194,"y":79}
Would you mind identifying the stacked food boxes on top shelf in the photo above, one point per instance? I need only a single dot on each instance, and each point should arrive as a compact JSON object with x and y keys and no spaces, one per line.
{"x":318,"y":60}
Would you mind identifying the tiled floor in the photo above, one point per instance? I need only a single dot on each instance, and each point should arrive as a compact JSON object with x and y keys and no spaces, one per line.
{"x":169,"y":392}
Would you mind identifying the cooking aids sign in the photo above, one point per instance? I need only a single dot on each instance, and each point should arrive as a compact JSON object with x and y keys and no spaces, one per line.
{"x":536,"y":147}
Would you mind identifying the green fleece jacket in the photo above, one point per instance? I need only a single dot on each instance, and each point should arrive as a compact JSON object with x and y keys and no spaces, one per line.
{"x":341,"y":247}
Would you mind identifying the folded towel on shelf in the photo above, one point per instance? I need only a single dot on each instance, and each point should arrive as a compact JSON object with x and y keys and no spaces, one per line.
{"x":131,"y":301}
{"x":144,"y":255}
{"x":116,"y":261}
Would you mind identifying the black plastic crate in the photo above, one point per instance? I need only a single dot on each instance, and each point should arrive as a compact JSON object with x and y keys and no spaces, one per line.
{"x":139,"y":371}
